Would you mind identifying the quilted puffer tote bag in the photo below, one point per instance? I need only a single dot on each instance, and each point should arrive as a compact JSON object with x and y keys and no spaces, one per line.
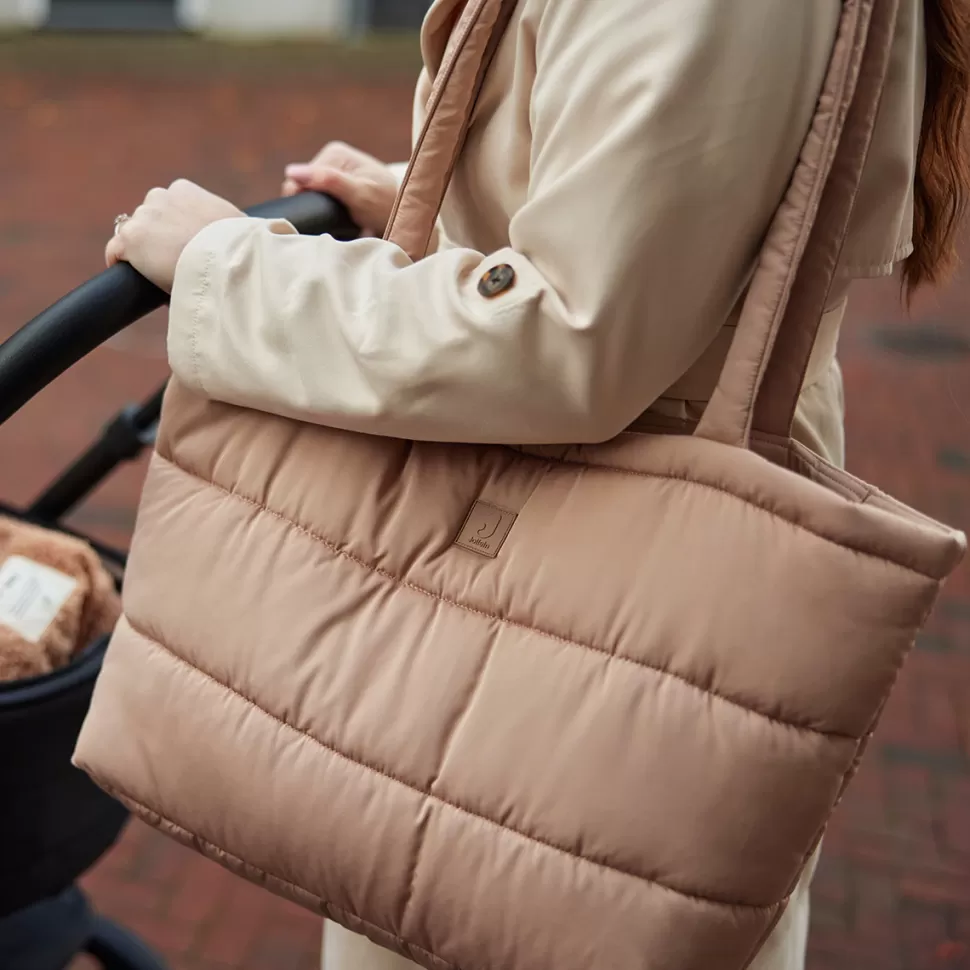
{"x":527,"y":708}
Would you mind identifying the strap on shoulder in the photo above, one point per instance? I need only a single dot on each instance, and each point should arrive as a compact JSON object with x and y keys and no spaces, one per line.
{"x":470,"y":50}
{"x":765,"y":367}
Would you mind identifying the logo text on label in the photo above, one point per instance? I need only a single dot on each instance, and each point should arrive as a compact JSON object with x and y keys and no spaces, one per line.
{"x":485,"y":529}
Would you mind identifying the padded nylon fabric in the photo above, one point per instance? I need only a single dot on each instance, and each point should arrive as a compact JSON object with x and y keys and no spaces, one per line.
{"x":518,"y":708}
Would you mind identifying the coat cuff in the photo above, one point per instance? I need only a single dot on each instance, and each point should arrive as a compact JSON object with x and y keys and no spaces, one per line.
{"x":192,"y":309}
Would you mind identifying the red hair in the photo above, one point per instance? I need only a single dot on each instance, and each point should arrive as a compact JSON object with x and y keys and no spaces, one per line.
{"x":943,"y":169}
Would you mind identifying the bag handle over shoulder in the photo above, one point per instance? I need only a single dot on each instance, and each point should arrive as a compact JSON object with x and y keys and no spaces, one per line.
{"x":765,"y":368}
{"x":764,"y":371}
{"x":471,"y":47}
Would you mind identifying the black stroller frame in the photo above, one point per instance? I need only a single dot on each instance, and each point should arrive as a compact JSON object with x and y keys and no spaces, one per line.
{"x":54,"y":823}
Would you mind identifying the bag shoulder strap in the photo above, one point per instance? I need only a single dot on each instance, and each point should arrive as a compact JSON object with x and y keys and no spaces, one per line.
{"x":765,"y":368}
{"x":459,"y":79}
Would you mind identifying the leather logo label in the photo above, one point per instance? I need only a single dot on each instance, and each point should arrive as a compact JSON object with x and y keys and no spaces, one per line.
{"x":486,"y":529}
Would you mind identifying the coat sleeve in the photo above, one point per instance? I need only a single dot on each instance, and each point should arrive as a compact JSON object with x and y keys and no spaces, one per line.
{"x":664,"y":135}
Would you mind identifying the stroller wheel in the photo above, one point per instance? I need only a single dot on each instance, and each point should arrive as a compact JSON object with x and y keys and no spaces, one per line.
{"x":115,"y":948}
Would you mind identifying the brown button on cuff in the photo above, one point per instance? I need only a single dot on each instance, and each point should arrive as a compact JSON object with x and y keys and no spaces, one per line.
{"x":496,"y":281}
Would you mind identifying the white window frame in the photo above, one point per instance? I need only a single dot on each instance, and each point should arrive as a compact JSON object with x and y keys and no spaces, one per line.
{"x":280,"y":18}
{"x":24,"y":13}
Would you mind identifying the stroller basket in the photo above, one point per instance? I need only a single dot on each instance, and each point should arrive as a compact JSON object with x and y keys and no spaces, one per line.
{"x":54,"y":822}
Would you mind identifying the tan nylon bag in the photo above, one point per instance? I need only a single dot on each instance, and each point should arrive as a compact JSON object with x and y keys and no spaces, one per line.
{"x":527,"y":709}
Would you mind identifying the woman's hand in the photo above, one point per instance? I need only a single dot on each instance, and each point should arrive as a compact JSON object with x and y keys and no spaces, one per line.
{"x":365,"y":185}
{"x":153,"y":238}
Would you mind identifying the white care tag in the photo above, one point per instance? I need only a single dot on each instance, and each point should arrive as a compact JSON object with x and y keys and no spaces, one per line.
{"x":31,"y":595}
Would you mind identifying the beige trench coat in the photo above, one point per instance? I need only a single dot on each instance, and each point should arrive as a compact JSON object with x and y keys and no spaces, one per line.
{"x":625,"y":159}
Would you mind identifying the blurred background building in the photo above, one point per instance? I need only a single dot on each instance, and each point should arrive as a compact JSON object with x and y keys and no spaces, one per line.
{"x":334,"y":18}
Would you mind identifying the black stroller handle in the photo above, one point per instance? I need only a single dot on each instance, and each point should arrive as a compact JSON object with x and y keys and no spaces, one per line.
{"x":68,"y":331}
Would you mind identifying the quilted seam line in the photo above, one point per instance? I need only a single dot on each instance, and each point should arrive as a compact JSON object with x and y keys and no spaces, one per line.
{"x":445,"y":752}
{"x":151,"y":817}
{"x":444,"y":802}
{"x":637,"y":473}
{"x":344,"y":553}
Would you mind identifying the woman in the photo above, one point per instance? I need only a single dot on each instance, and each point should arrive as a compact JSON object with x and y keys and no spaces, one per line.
{"x":622,"y":167}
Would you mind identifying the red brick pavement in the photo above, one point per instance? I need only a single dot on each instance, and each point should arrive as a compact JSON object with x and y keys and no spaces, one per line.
{"x":83,"y":137}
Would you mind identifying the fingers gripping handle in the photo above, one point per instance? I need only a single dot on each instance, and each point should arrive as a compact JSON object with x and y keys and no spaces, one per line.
{"x":80,"y":322}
